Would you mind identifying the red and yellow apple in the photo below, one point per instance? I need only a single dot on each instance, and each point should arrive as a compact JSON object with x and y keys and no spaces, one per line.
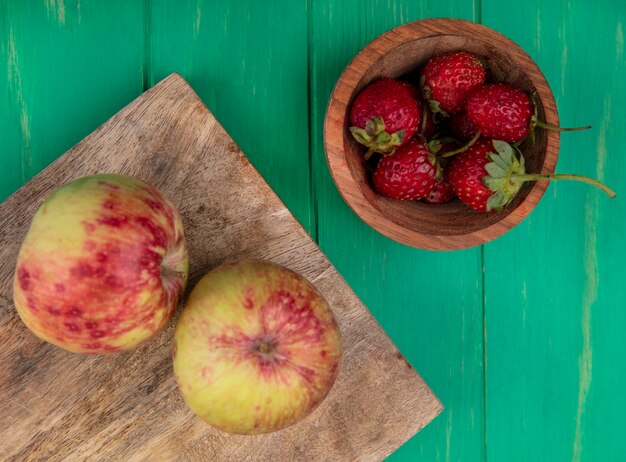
{"x":256,"y":348}
{"x":103,"y":265}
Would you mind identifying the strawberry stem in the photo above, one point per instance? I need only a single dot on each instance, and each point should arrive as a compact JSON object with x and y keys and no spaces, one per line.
{"x":548,"y":126}
{"x":369,"y":152}
{"x":463,"y":148}
{"x":565,"y":176}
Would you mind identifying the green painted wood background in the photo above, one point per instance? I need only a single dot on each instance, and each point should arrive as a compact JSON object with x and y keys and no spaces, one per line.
{"x":522,"y":339}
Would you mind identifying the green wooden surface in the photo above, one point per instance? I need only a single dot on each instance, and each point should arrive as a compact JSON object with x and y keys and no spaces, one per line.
{"x":555,"y":293}
{"x":521,"y":339}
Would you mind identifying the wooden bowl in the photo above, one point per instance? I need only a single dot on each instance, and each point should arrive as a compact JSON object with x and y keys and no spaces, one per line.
{"x":402,"y":51}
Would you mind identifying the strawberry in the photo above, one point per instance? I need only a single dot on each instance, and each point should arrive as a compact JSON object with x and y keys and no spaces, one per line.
{"x":461,"y":127}
{"x":413,"y":91}
{"x":500,"y":112}
{"x":442,"y":192}
{"x":490,"y":173}
{"x":505,"y":113}
{"x":409,"y":173}
{"x":466,"y":172}
{"x":448,"y":79}
{"x":384,"y":115}
{"x":427,"y":124}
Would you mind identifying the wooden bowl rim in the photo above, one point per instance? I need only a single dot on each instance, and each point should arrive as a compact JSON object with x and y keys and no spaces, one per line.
{"x":334,"y":132}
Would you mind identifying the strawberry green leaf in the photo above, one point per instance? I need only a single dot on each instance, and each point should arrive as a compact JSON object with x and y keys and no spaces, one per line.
{"x":503,"y":177}
{"x":497,"y":201}
{"x":505,"y":150}
{"x":386,"y":143}
{"x":383,"y":139}
{"x":499,"y":161}
{"x":434,"y":106}
{"x":378,"y":125}
{"x":361,"y":136}
{"x":494,"y":170}
{"x":375,"y":138}
{"x":370,"y":128}
{"x":494,"y":184}
{"x":434,"y":146}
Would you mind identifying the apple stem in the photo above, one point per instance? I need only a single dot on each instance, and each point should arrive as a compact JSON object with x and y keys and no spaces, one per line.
{"x":463,"y":148}
{"x":566,"y":176}
{"x":264,"y":347}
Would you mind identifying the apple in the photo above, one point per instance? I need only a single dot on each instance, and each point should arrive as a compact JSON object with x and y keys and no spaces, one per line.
{"x":103,"y":265}
{"x":256,"y":348}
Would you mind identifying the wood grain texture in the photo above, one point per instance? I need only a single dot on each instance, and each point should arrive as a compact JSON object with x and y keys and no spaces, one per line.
{"x":555,"y":285}
{"x":62,"y":406}
{"x":431,"y":302}
{"x":401,"y":52}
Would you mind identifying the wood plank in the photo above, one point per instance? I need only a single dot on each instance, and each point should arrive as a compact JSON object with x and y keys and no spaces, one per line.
{"x":58,"y":60}
{"x":63,"y":406}
{"x":429,"y":303}
{"x":555,"y":285}
{"x":248,"y":62}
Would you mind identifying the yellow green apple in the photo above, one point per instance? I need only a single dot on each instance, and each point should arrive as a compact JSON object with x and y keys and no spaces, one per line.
{"x":103,"y":265}
{"x":256,"y":348}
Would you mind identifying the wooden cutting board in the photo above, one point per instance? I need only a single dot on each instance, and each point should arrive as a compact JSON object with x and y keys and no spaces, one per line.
{"x":125,"y":407}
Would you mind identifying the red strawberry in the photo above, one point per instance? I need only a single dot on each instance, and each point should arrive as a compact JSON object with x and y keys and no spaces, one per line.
{"x":408,"y":174}
{"x":449,"y":78}
{"x":442,"y":192}
{"x":505,"y":113}
{"x":461,"y":127}
{"x":490,"y":173}
{"x":413,"y":91}
{"x":384,"y":116}
{"x":427,"y":124}
{"x":466,"y":173}
{"x":500,"y":112}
